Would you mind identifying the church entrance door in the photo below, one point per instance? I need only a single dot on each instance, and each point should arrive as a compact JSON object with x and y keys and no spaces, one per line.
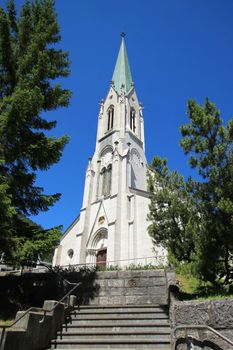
{"x":101,"y":257}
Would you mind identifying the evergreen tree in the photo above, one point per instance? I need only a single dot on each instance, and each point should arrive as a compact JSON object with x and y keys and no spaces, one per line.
{"x":173,"y":215}
{"x":203,"y":208}
{"x":29,"y":63}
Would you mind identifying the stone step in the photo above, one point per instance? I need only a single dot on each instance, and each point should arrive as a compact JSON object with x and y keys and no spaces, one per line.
{"x":110,"y":343}
{"x":117,"y":330}
{"x":113,"y":328}
{"x":110,"y":326}
{"x":138,"y":299}
{"x":122,"y":346}
{"x":115,"y":335}
{"x":118,"y":315}
{"x":119,"y":321}
{"x":118,"y":311}
{"x":135,"y":306}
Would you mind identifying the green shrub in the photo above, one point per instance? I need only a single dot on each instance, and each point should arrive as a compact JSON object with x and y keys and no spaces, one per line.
{"x":108,"y":268}
{"x":144,"y":267}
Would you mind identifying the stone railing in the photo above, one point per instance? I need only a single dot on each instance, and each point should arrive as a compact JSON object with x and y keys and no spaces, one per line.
{"x":34,"y":329}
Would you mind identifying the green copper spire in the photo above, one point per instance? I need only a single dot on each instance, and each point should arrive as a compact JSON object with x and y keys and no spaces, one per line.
{"x":122,"y":74}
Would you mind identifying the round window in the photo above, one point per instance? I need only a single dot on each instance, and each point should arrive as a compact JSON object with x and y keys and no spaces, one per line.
{"x":70,"y":253}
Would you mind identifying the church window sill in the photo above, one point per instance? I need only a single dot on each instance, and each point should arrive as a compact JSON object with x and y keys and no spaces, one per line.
{"x":107,"y":134}
{"x":135,"y":137}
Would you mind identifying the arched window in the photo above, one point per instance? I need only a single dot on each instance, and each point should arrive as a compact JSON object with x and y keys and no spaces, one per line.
{"x":132,"y":120}
{"x":110,"y":118}
{"x":103,"y":174}
{"x":106,"y":174}
{"x":109,"y":179}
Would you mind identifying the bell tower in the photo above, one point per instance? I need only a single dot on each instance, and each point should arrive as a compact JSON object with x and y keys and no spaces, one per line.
{"x":112,"y":225}
{"x":121,"y":111}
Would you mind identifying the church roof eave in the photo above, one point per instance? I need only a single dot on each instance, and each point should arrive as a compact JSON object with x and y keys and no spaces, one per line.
{"x":69,"y":228}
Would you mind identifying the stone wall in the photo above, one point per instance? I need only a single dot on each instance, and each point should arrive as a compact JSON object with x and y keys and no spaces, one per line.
{"x":36,"y":328}
{"x":131,"y":287}
{"x":217,"y":314}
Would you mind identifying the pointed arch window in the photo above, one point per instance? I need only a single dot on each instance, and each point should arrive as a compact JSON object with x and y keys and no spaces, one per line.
{"x":110,"y":118}
{"x":132,"y":119}
{"x":106,"y":174}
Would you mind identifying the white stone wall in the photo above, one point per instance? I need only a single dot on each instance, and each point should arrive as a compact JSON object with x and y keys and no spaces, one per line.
{"x":68,"y":242}
{"x":117,"y":221}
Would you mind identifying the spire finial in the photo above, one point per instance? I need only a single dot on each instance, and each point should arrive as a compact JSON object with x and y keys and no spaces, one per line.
{"x":123,"y":34}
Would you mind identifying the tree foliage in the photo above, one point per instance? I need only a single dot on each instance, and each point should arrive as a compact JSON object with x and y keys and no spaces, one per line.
{"x":193,"y":219}
{"x":29,"y":63}
{"x":171,"y":211}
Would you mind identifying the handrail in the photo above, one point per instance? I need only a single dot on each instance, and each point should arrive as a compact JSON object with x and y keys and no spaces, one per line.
{"x":192,"y":326}
{"x":108,"y":263}
{"x":60,"y":301}
{"x":159,"y":259}
{"x":4,"y":327}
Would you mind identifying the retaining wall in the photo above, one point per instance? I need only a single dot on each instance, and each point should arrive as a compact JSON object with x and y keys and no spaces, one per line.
{"x":217,"y":314}
{"x":131,"y":287}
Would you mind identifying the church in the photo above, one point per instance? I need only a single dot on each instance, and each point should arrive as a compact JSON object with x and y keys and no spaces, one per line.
{"x":112,"y":226}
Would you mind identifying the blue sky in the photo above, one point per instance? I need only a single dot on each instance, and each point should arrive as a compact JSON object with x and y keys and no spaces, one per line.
{"x":177,"y":50}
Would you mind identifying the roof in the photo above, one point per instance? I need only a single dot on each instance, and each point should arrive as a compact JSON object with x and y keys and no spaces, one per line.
{"x":122,"y":74}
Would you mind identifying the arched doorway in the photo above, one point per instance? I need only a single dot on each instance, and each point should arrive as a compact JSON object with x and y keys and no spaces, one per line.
{"x":101,"y":257}
{"x":97,"y":248}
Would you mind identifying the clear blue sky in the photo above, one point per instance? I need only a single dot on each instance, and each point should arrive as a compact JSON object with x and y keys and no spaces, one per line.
{"x":177,"y":50}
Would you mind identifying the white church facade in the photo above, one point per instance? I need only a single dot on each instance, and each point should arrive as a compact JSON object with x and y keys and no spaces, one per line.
{"x":112,"y":226}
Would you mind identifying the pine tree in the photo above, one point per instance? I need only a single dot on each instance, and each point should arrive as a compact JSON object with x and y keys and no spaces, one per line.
{"x":29,"y":64}
{"x":209,"y":145}
{"x":171,"y":211}
{"x":193,"y":219}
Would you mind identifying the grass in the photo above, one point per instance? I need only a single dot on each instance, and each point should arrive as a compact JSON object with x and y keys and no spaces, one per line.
{"x":144,"y":267}
{"x":6,"y":322}
{"x":192,"y":288}
{"x":188,"y":284}
{"x":100,"y":268}
{"x":8,"y":311}
{"x":7,"y":316}
{"x":215,"y":297}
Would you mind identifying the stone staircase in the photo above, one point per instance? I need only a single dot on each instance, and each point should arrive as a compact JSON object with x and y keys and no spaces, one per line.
{"x":116,"y":327}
